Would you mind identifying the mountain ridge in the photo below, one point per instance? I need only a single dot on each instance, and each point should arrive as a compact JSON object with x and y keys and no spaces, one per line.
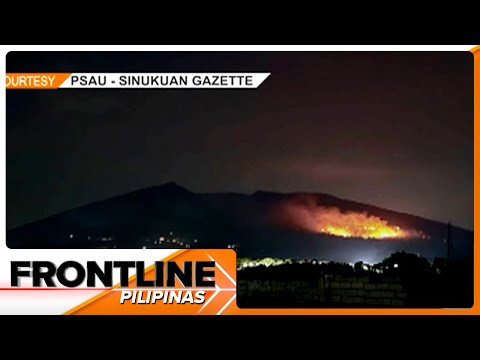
{"x":174,"y":187}
{"x":218,"y":219}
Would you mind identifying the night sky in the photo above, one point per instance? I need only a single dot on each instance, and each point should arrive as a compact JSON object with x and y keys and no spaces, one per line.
{"x":389,"y":129}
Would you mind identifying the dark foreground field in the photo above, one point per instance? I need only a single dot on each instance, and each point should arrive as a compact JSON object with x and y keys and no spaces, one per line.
{"x":402,"y":280}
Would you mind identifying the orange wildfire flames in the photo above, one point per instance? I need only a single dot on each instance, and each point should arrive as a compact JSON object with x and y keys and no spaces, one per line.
{"x":331,"y":220}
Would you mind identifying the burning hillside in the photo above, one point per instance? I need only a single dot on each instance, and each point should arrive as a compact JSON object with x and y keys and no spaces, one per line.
{"x":303,"y":213}
{"x":264,"y":224}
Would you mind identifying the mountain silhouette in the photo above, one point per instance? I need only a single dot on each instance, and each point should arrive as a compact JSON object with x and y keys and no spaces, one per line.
{"x":216,"y":220}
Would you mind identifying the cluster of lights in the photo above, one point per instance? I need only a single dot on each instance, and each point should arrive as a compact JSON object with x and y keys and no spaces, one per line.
{"x":243,"y":263}
{"x":161,"y":240}
{"x":170,"y":239}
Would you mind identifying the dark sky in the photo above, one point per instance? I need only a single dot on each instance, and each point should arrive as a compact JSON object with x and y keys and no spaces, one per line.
{"x":389,"y":129}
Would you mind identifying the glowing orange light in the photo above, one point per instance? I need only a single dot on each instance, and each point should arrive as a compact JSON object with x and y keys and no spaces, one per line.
{"x":349,"y":224}
{"x":352,"y":224}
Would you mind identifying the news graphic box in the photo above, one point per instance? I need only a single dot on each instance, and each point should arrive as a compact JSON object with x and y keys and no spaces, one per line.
{"x":195,"y":282}
{"x":212,"y":294}
{"x":344,"y":291}
{"x":54,"y":81}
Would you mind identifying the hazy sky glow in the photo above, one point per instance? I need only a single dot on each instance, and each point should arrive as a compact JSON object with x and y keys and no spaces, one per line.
{"x":389,"y":129}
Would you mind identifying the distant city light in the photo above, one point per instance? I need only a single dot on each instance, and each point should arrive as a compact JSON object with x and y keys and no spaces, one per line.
{"x":162,"y":238}
{"x":267,"y":262}
{"x":144,"y":247}
{"x":71,"y":236}
{"x":395,"y":266}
